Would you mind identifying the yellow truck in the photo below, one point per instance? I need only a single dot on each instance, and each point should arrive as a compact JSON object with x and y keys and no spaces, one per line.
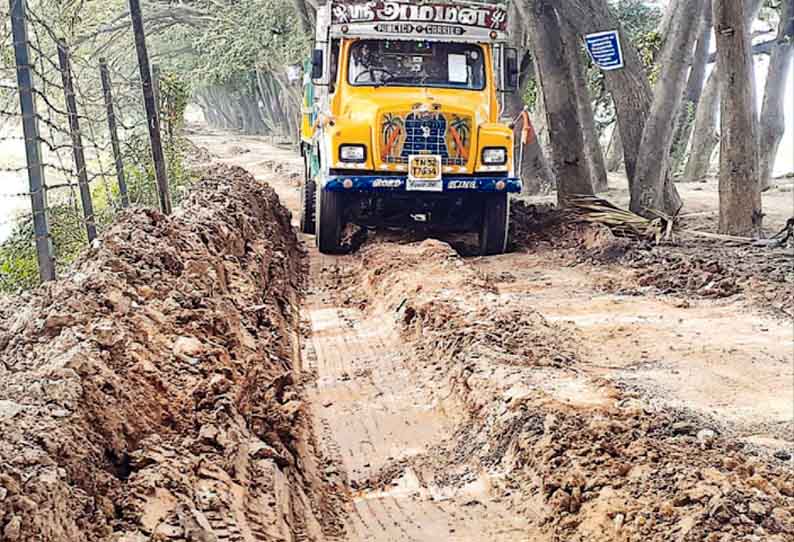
{"x":402,"y":120}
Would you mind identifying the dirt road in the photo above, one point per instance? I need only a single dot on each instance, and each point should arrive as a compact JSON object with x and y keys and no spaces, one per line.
{"x":465,"y":400}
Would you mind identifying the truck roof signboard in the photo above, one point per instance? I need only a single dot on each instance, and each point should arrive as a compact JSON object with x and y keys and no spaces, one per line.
{"x":458,"y":21}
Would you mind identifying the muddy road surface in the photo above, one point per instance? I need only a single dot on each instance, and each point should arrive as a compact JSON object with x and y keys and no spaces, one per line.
{"x":547,"y":394}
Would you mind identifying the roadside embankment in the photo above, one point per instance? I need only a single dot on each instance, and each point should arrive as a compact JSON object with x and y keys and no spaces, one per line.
{"x":156,"y":392}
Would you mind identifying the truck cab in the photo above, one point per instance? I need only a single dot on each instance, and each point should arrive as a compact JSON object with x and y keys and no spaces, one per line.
{"x":401,"y":120}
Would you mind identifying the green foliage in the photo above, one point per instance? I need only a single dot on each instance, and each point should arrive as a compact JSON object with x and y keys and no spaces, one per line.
{"x":531,"y":94}
{"x":18,"y":264}
{"x":636,"y":16}
{"x":640,"y":20}
{"x":247,"y":35}
{"x":174,"y":99}
{"x":650,"y":45}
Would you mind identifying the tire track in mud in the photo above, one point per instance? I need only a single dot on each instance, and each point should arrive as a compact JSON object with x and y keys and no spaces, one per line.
{"x":558,"y":432}
{"x":375,"y":411}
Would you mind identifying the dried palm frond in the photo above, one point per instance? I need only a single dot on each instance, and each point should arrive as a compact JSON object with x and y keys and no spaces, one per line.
{"x":621,"y":222}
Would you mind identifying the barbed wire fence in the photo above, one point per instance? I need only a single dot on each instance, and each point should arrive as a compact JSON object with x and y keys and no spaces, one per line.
{"x":79,"y":117}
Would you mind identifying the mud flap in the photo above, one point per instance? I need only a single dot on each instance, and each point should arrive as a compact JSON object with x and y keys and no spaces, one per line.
{"x":308,"y":199}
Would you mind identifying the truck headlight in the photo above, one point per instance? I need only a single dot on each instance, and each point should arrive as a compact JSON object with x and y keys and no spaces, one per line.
{"x":353,"y":153}
{"x":494,"y":156}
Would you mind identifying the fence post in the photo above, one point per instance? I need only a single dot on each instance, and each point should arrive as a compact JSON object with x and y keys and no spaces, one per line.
{"x":156,"y":89}
{"x":38,"y":198}
{"x":77,"y":140}
{"x":151,"y":107}
{"x":114,"y":136}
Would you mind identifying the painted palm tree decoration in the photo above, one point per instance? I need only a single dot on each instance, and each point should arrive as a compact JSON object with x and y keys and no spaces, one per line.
{"x":461,"y":132}
{"x":393,"y":127}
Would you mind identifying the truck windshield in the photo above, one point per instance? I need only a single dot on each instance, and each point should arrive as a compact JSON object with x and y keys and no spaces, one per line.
{"x":416,"y":64}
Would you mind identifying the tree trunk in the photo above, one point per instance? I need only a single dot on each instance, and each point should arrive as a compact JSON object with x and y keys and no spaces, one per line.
{"x":704,"y":133}
{"x":541,"y":124}
{"x":653,"y":161}
{"x":629,"y":86}
{"x":739,"y":186}
{"x":303,"y":16}
{"x":694,"y":88}
{"x":667,"y":19}
{"x":773,"y":122}
{"x":263,"y":92}
{"x":614,"y":151}
{"x":534,"y":168}
{"x":594,"y":153}
{"x":697,"y":75}
{"x":556,"y":82}
{"x":535,"y":172}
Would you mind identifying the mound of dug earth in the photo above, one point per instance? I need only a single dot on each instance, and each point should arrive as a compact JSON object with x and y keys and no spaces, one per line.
{"x":580,"y":457}
{"x":689,"y":266}
{"x":154,"y":394}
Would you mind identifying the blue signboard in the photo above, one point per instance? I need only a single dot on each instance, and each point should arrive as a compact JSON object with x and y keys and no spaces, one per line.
{"x":604,"y":49}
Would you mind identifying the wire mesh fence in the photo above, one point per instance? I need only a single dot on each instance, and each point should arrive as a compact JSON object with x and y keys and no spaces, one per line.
{"x":75,"y":139}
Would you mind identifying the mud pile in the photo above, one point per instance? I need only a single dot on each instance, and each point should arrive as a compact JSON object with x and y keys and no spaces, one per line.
{"x":691,"y":267}
{"x":584,"y":459}
{"x":155,"y":393}
{"x":714,"y":270}
{"x":455,"y":309}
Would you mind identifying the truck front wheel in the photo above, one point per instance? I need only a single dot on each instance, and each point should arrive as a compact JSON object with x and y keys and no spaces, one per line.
{"x":329,"y":222}
{"x":494,"y":228}
{"x":308,"y":200}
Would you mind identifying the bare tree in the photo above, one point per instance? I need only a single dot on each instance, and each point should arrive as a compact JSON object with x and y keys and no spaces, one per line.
{"x":535,"y":171}
{"x":653,"y":160}
{"x":541,"y":124}
{"x":704,"y":133}
{"x":630,"y":90}
{"x":667,"y":18}
{"x":694,"y":86}
{"x":594,"y":153}
{"x":629,"y":87}
{"x":739,"y":186}
{"x":556,"y":83}
{"x":773,"y":122}
{"x":614,"y":151}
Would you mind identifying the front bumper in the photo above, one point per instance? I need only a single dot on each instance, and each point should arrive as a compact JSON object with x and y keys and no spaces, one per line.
{"x":451,"y":184}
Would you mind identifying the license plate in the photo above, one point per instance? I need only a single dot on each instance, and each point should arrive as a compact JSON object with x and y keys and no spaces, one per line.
{"x":424,"y":173}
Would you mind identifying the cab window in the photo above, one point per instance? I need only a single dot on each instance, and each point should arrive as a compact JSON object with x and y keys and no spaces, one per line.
{"x":416,"y":64}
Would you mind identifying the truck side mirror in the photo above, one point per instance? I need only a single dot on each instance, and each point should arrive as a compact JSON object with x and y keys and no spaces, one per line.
{"x":318,"y":64}
{"x":512,"y":70}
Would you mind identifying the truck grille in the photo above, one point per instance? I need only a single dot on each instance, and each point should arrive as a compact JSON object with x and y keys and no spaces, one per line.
{"x":406,"y":134}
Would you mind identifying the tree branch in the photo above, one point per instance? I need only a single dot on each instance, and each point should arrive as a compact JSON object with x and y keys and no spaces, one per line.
{"x":763,"y":48}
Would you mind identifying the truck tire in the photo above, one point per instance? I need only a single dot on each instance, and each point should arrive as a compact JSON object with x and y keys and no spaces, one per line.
{"x":329,"y":222}
{"x":495,"y":224}
{"x":308,"y":200}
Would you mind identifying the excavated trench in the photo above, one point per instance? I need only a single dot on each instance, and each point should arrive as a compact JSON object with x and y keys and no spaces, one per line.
{"x":203,"y":377}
